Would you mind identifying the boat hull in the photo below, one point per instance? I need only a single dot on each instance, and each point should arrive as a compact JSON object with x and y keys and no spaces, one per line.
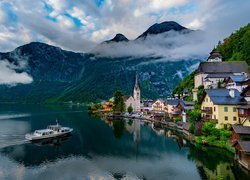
{"x":31,"y":137}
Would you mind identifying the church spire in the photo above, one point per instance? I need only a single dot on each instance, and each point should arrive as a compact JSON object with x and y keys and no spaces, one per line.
{"x":136,"y":82}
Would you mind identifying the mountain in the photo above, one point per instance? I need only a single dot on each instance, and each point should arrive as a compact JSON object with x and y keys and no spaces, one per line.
{"x":163,"y":28}
{"x":62,"y":76}
{"x":118,"y":38}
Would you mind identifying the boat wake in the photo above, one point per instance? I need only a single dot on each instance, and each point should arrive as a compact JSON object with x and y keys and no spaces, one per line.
{"x":13,"y":116}
{"x":7,"y":140}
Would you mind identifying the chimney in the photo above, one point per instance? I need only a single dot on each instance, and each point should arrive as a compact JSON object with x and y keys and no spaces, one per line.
{"x":232,"y":92}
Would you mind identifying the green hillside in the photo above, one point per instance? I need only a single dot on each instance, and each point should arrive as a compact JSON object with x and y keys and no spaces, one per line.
{"x":237,"y":46}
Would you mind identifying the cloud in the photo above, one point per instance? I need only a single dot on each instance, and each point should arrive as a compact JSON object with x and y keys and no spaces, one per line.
{"x":166,"y":46}
{"x":9,"y":76}
{"x":80,"y":25}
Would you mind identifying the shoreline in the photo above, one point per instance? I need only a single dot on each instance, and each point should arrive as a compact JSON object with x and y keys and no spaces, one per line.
{"x":187,"y":135}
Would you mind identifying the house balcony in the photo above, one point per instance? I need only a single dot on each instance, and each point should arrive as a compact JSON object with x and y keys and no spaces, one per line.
{"x":209,"y":118}
{"x":207,"y":111}
{"x":245,"y":115}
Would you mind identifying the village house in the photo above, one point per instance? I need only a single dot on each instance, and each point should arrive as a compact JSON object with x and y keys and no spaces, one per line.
{"x":185,"y":106}
{"x":220,"y":105}
{"x":244,"y":110}
{"x":173,"y":109}
{"x":158,"y":106}
{"x":108,"y":105}
{"x":146,"y":106}
{"x":214,"y":70}
{"x":241,"y":142}
{"x":239,"y":82}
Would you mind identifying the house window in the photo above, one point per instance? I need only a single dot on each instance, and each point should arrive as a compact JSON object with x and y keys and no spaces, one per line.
{"x":234,"y":109}
{"x":225,"y":109}
{"x":226,"y":118}
{"x":214,"y":116}
{"x":214,"y":109}
{"x":242,"y":111}
{"x":234,"y":118}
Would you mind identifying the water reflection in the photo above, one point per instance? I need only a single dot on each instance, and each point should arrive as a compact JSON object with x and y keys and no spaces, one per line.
{"x":107,"y":149}
{"x":56,"y":142}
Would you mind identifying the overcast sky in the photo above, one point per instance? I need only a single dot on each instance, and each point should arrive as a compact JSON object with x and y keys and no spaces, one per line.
{"x":80,"y":24}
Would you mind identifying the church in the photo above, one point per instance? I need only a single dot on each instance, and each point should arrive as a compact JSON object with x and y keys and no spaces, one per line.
{"x":134,"y":101}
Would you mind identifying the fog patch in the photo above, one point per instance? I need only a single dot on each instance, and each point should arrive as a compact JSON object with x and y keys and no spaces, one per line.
{"x":10,"y":76}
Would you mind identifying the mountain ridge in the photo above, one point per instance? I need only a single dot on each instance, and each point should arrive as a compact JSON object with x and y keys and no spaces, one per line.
{"x":62,"y":76}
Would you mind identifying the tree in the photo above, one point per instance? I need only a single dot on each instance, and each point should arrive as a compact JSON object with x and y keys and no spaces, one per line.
{"x":194,"y":115}
{"x":130,"y":109}
{"x":119,"y":105}
{"x":192,"y":128}
{"x":219,"y":85}
{"x":200,"y":93}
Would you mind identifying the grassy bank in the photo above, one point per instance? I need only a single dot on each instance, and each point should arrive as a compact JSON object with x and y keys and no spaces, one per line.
{"x":213,"y":141}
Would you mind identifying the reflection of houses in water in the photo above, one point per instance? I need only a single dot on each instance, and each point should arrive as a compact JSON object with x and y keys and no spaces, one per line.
{"x":137,"y":130}
{"x":134,"y":127}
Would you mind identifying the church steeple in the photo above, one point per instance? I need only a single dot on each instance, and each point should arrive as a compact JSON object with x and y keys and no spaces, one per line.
{"x":215,"y":56}
{"x":137,"y":95}
{"x":136,"y":82}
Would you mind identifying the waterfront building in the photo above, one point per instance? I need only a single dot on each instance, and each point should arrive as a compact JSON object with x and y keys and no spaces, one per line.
{"x":220,"y":105}
{"x":241,"y":142}
{"x":137,"y":96}
{"x":146,"y":106}
{"x":158,"y":106}
{"x":244,"y":110}
{"x":107,"y":106}
{"x":129,"y":101}
{"x":134,"y":101}
{"x":172,"y":109}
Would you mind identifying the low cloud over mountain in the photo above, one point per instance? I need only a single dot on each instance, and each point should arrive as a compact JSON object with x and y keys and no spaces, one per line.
{"x":9,"y":74}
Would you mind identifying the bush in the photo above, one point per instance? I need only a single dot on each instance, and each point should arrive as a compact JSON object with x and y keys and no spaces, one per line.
{"x":194,"y":115}
{"x":177,"y":119}
{"x":207,"y":128}
{"x":191,"y":128}
{"x":130,"y":109}
{"x":225,"y":134}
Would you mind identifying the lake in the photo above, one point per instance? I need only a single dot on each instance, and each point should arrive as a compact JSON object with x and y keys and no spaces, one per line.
{"x":103,"y":149}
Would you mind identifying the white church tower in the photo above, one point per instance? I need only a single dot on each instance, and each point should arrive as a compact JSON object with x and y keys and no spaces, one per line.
{"x":137,"y":96}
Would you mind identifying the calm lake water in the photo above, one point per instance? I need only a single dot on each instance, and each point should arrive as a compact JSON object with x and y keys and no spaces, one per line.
{"x":102,"y":149}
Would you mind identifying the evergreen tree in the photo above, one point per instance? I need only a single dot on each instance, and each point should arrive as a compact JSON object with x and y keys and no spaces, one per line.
{"x":119,"y":105}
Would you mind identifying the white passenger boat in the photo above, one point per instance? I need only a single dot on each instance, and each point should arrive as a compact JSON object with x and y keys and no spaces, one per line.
{"x":52,"y":131}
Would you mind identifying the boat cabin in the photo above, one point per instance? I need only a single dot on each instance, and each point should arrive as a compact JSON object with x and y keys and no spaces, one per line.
{"x":43,"y":132}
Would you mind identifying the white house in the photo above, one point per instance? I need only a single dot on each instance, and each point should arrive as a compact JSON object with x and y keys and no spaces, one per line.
{"x":158,"y":106}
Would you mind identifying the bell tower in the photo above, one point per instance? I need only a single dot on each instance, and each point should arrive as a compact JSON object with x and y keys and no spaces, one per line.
{"x":137,"y":96}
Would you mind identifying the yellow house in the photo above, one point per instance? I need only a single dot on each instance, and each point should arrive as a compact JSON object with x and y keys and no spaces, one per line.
{"x":220,"y":105}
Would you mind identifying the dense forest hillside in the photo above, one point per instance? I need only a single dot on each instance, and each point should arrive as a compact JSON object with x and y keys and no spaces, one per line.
{"x":234,"y":48}
{"x":237,"y":46}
